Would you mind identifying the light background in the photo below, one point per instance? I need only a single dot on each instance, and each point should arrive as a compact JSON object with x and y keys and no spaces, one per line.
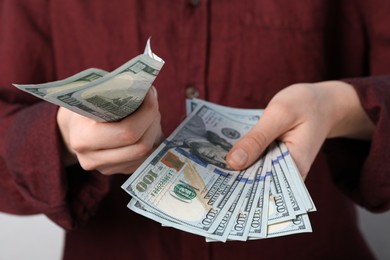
{"x":35,"y":237}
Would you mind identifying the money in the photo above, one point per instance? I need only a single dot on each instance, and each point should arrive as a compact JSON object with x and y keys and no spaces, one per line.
{"x":187,"y":184}
{"x":101,"y":95}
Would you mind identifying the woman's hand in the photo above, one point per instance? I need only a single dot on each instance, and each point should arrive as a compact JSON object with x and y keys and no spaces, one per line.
{"x":114,"y":147}
{"x":303,"y":116}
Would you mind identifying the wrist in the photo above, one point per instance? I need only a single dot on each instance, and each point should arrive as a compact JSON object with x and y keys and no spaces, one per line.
{"x":342,"y":104}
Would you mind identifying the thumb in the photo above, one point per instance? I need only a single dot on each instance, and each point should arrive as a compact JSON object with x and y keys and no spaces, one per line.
{"x":249,"y":148}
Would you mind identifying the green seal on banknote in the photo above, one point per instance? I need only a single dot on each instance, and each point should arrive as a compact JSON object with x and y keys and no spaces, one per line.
{"x":184,"y":192}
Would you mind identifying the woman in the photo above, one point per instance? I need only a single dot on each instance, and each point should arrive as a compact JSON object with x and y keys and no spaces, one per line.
{"x":236,"y":53}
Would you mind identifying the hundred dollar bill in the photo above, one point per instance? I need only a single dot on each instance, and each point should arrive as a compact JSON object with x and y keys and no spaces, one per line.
{"x":225,"y":225}
{"x":187,"y":178}
{"x":241,"y":224}
{"x":300,"y":224}
{"x":288,"y":166}
{"x":295,"y":198}
{"x":142,"y":209}
{"x":244,"y":115}
{"x":190,"y":210}
{"x":100,"y":95}
{"x":259,"y":221}
{"x":72,"y":82}
{"x":256,"y":211}
{"x":239,"y":228}
{"x":280,"y":208}
{"x":221,"y":232}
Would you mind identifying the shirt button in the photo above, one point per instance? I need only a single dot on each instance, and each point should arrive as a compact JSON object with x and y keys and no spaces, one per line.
{"x":194,"y":3}
{"x":192,"y":92}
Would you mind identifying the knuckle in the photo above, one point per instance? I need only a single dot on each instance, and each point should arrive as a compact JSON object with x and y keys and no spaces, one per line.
{"x":256,"y":140}
{"x":129,"y":137}
{"x":279,"y":110}
{"x":151,"y":102}
{"x":107,"y":172}
{"x":77,"y":145}
{"x":87,"y":165}
{"x":143,"y":150}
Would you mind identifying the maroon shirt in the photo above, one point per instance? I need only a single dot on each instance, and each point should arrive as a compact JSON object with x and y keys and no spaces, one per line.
{"x":237,"y":53}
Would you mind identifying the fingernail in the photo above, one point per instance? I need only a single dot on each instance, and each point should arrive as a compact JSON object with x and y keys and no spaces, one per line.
{"x":239,"y":157}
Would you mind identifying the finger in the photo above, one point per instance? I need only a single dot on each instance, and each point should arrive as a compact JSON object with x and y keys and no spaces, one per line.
{"x":98,"y":136}
{"x":122,"y":159}
{"x":304,"y":143}
{"x":275,"y":121}
{"x":123,"y":168}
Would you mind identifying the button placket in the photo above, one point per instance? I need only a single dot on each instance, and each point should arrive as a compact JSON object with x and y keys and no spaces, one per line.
{"x":194,"y":3}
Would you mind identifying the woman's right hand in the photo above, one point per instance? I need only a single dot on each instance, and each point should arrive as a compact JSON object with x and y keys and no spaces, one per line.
{"x":112,"y":147}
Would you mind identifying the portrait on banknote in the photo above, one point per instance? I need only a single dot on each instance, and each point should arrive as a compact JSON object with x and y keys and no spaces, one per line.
{"x":202,"y":145}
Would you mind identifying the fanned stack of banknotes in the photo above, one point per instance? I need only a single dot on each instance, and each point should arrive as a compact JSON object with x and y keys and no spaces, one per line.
{"x":186,"y":182}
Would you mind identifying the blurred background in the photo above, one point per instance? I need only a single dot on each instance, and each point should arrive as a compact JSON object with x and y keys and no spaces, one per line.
{"x":35,"y":237}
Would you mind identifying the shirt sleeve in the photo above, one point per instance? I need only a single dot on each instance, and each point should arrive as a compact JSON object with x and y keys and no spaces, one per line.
{"x":362,"y":168}
{"x":33,"y":178}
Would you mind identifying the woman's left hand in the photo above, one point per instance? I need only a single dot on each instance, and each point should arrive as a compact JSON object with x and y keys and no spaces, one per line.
{"x":303,"y":116}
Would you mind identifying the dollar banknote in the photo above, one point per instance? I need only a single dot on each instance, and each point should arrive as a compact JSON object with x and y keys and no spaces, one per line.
{"x":239,"y":228}
{"x":192,"y":161}
{"x":187,"y":184}
{"x":100,"y":95}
